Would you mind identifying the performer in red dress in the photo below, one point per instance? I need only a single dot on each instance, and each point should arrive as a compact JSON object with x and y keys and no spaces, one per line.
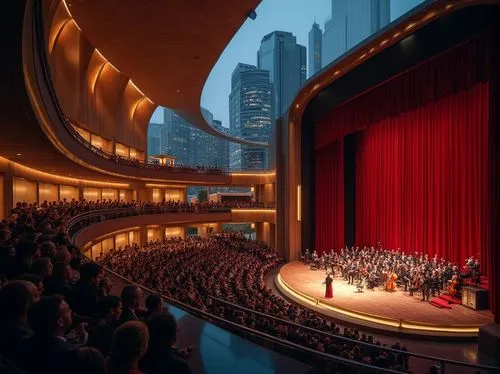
{"x":329,"y":288}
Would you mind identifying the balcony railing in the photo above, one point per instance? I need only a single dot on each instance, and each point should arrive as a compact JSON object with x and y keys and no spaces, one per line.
{"x":271,"y":342}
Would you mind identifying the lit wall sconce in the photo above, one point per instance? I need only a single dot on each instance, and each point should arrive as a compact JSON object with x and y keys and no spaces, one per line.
{"x":299,"y":202}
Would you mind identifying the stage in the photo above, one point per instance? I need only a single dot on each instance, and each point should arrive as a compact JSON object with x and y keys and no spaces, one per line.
{"x":380,"y":310}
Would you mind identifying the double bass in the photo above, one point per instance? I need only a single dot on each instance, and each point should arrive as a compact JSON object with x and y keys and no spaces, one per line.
{"x":390,"y":284}
{"x":453,"y":285}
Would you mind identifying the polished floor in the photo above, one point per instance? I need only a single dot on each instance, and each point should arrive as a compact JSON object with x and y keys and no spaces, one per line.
{"x":396,"y":305}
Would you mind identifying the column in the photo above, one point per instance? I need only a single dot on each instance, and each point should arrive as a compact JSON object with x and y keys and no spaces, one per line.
{"x":143,"y":235}
{"x":202,"y":231}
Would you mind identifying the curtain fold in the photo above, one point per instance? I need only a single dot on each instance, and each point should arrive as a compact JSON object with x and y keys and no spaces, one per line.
{"x":329,"y":198}
{"x":422,"y":178}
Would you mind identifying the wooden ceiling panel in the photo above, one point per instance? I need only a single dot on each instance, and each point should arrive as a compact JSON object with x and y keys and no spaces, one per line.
{"x":167,"y":48}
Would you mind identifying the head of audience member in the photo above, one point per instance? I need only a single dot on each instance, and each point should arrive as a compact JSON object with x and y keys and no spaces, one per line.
{"x":110,"y":308}
{"x":48,"y":249}
{"x":25,"y":252}
{"x":162,"y":331}
{"x":50,"y":317}
{"x":16,"y":297}
{"x":42,"y":266}
{"x":131,"y":297}
{"x":130,"y":343}
{"x":37,"y":281}
{"x":90,"y":274}
{"x":154,"y":304}
{"x":91,"y":361}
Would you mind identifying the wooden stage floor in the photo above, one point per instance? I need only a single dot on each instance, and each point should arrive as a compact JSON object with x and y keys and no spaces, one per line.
{"x":396,"y":305}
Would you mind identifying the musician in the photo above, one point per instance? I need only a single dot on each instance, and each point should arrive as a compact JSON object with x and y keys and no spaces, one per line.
{"x":426,"y":286}
{"x":328,"y":286}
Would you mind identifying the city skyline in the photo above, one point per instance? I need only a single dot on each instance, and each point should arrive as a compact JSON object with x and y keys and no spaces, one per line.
{"x":300,"y":16}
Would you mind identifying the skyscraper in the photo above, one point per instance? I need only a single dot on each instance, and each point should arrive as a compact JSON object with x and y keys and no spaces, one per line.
{"x":314,"y":46}
{"x":250,"y":115}
{"x":154,"y":138}
{"x":218,"y":149}
{"x":191,"y":145}
{"x":285,"y":60}
{"x":175,"y":136}
{"x":352,"y":21}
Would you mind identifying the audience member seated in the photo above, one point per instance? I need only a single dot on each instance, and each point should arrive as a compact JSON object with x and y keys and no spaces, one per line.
{"x":130,"y":344}
{"x":101,"y":335}
{"x":91,"y":361}
{"x":86,"y":295}
{"x":15,"y":299}
{"x":47,"y":351}
{"x":131,"y":301}
{"x":160,"y":357}
{"x":154,"y":304}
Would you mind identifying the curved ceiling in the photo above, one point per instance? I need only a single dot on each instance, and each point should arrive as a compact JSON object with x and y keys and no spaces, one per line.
{"x":167,"y":47}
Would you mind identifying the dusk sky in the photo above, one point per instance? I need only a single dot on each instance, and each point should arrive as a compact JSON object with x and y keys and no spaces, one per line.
{"x":295,"y":16}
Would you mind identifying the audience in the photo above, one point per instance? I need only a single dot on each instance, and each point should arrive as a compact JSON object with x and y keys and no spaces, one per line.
{"x":232,"y":268}
{"x":43,"y":334}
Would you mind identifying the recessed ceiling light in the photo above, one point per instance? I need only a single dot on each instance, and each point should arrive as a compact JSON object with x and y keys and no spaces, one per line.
{"x":18,"y":154}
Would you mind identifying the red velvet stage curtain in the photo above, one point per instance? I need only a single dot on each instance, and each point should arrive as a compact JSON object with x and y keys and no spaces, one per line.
{"x":329,"y":196}
{"x":451,"y":72}
{"x":422,"y":178}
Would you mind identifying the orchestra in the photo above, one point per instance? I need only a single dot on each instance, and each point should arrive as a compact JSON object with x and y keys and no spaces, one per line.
{"x":390,"y":269}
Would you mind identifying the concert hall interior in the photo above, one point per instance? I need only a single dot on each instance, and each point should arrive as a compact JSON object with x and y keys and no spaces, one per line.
{"x":343,"y":218}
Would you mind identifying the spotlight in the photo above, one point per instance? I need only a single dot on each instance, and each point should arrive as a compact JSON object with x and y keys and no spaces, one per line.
{"x":252,"y":15}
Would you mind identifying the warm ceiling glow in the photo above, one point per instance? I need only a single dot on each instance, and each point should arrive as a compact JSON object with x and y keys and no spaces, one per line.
{"x":383,"y":42}
{"x":154,"y":185}
{"x":449,"y":6}
{"x":372,"y":49}
{"x":429,"y":15}
{"x":396,"y":35}
{"x":253,"y":174}
{"x":252,"y":210}
{"x":362,"y":56}
{"x":35,"y":174}
{"x":337,"y":72}
{"x":410,"y":26}
{"x":18,"y":154}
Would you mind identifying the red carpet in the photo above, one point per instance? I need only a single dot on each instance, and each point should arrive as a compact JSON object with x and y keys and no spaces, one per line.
{"x":450,"y":299}
{"x":440,"y":303}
